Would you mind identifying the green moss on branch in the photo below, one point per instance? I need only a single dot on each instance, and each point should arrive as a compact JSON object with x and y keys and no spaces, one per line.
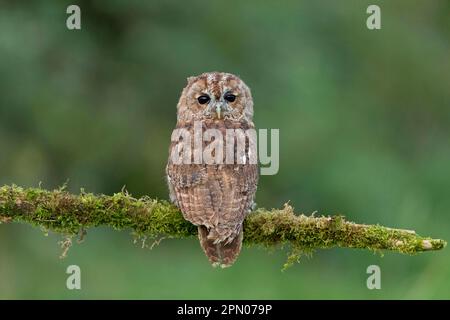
{"x":66,"y":213}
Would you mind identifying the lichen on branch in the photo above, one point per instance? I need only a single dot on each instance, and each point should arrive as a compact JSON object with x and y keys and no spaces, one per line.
{"x":69,"y":214}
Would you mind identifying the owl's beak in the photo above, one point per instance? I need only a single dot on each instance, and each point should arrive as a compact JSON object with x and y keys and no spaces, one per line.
{"x":218,"y":110}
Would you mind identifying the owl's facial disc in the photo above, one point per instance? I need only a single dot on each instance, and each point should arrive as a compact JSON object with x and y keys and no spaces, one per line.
{"x":214,"y":107}
{"x":216,"y":96}
{"x":217,"y":107}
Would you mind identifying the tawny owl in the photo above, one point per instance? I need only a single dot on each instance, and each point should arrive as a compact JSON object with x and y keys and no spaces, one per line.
{"x":214,"y":196}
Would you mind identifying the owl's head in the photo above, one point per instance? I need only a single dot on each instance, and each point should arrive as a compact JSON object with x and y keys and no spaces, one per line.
{"x":215,"y":95}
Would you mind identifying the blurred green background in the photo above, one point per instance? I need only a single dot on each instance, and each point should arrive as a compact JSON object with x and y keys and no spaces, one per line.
{"x":364,"y":119}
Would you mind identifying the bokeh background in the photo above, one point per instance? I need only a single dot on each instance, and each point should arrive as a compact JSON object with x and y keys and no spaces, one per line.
{"x":364,"y":119}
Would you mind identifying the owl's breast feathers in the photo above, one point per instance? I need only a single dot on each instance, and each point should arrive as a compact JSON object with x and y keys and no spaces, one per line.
{"x":217,"y":196}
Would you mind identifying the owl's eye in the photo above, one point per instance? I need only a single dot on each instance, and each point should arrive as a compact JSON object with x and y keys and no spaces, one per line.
{"x":203,"y":99}
{"x":229,"y":97}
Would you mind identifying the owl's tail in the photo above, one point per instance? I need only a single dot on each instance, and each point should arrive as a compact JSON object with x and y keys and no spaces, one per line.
{"x":220,"y":254}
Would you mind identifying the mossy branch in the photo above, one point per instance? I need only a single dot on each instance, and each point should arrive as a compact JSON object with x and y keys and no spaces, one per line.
{"x":70,"y":214}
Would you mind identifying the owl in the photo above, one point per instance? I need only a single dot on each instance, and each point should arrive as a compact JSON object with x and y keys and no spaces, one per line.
{"x":216,"y":197}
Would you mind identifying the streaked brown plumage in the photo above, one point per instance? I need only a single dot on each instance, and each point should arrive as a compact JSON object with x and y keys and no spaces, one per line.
{"x":215,"y":197}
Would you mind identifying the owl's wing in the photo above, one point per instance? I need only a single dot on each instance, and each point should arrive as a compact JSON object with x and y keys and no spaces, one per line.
{"x":238,"y":195}
{"x":189,"y":191}
{"x":218,"y":197}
